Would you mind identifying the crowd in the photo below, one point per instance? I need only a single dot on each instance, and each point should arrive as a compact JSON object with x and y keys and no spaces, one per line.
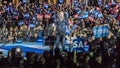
{"x":29,"y":21}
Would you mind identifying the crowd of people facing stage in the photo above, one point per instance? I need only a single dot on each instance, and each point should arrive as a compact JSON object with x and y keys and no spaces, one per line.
{"x":26,"y":20}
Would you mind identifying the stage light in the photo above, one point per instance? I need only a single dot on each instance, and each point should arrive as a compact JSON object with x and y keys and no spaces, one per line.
{"x":18,"y":49}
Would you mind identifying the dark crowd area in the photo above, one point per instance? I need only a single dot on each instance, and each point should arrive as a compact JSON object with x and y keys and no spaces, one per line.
{"x":97,"y":57}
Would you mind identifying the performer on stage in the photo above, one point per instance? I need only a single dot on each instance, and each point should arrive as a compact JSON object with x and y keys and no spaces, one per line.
{"x":61,"y":24}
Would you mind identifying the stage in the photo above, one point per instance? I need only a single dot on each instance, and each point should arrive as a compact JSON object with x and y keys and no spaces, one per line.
{"x":27,"y":47}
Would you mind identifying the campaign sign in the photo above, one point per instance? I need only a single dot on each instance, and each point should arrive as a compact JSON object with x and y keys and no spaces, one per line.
{"x":46,"y":6}
{"x":60,"y":1}
{"x":78,"y":44}
{"x":67,"y":31}
{"x":101,"y":31}
{"x":40,"y":40}
{"x":76,"y":16}
{"x":32,"y":25}
{"x":100,"y":15}
{"x":24,"y":1}
{"x":91,"y":18}
{"x":26,"y":15}
{"x":20,"y":23}
{"x":86,"y":48}
{"x":39,"y":16}
{"x":47,"y":16}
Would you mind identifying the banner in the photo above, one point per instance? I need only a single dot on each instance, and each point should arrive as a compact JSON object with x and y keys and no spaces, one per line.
{"x":47,"y":16}
{"x":45,"y":6}
{"x":40,"y":40}
{"x":20,"y":23}
{"x":39,"y":16}
{"x":76,"y":16}
{"x":78,"y":44}
{"x":86,"y":48}
{"x":101,"y":31}
{"x":32,"y":25}
{"x":67,"y":31}
{"x":26,"y":15}
{"x":91,"y":18}
{"x":24,"y":1}
{"x":61,"y":1}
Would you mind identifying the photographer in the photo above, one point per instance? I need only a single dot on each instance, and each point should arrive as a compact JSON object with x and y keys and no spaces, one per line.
{"x":15,"y":57}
